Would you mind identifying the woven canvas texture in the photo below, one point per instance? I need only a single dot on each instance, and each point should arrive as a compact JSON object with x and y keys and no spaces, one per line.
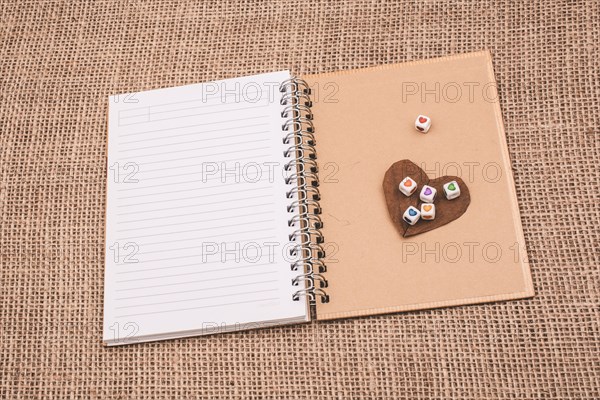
{"x":61,"y":60}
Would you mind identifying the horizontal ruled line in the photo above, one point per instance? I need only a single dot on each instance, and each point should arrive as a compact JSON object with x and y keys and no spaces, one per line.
{"x":191,"y":126}
{"x":195,"y":308}
{"x":199,"y":181}
{"x":224,"y":174}
{"x":192,"y":197}
{"x":196,"y":290}
{"x":197,"y":213}
{"x":190,"y":190}
{"x":195,"y":247}
{"x":195,"y":272}
{"x":190,"y":256}
{"x":196,"y":222}
{"x":198,"y":148}
{"x":203,"y":156}
{"x":179,"y":266}
{"x":197,"y":298}
{"x":244,"y":199}
{"x":197,"y":281}
{"x":205,"y":101}
{"x":201,"y":164}
{"x":195,"y":133}
{"x":205,"y":237}
{"x":192,"y":230}
{"x":193,"y":141}
{"x":148,"y":110}
{"x":150,"y":119}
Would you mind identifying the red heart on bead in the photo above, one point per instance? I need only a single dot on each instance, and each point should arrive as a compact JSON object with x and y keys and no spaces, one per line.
{"x":422,"y":120}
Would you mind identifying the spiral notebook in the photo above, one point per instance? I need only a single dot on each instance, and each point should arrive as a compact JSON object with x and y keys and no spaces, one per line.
{"x":221,"y":217}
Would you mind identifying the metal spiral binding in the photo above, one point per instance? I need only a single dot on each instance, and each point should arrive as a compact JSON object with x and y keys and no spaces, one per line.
{"x":302,"y":175}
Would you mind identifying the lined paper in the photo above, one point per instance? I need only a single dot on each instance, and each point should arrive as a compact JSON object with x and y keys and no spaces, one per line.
{"x":196,"y":229}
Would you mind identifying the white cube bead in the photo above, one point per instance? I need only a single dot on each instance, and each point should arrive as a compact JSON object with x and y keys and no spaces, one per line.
{"x":428,"y":194}
{"x":411,"y":215}
{"x":423,"y":123}
{"x":407,"y":186}
{"x":427,"y":211}
{"x":451,"y":190}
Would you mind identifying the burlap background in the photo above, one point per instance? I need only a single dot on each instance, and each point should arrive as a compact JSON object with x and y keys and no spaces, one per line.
{"x":59,"y":62}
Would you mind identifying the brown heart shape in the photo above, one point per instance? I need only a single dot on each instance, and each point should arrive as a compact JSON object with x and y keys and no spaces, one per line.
{"x":446,"y":210}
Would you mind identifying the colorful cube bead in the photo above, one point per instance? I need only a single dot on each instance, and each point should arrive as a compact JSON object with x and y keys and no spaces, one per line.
{"x":427,"y":211}
{"x":411,"y":215}
{"x":423,"y":123}
{"x":428,"y":194}
{"x":451,"y":190}
{"x":407,"y":186}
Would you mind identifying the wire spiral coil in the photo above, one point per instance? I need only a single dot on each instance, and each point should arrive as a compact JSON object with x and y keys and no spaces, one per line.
{"x":302,"y":175}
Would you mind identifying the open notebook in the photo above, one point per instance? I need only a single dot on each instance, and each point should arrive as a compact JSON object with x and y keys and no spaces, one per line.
{"x":221,"y":217}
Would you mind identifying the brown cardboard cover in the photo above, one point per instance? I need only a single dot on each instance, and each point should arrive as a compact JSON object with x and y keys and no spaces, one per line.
{"x":364,"y":122}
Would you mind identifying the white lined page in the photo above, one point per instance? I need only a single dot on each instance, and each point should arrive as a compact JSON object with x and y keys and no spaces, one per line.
{"x":196,"y":229}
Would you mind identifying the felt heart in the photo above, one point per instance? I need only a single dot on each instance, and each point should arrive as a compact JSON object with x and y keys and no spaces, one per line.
{"x":422,"y":120}
{"x":397,"y":203}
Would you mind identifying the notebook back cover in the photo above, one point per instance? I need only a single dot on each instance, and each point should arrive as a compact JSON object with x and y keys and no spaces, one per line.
{"x":364,"y":120}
